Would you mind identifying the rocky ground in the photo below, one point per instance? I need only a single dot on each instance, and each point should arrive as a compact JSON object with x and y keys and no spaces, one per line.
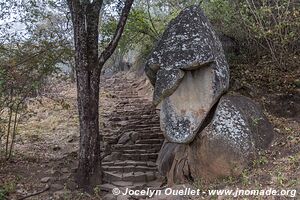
{"x":45,"y":152}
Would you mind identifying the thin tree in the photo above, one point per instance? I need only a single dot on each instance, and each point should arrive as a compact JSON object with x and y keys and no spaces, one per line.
{"x":88,"y":64}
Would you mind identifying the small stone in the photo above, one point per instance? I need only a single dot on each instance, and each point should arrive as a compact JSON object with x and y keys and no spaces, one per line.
{"x":74,"y":169}
{"x":55,"y":173}
{"x":65,"y":176}
{"x":134,"y":136}
{"x":297,"y":83}
{"x":45,"y":180}
{"x":64,"y":170}
{"x":22,"y":191}
{"x":57,"y":186}
{"x":56,"y":148}
{"x":71,"y":185}
{"x":65,"y":194}
{"x":110,"y":197}
{"x":123,"y":197}
{"x":112,"y":156}
{"x":124,"y":138}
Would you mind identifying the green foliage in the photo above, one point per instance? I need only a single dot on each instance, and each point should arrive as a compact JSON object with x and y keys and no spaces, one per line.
{"x":263,"y":28}
{"x":7,"y":188}
{"x":272,"y":25}
{"x":146,"y":23}
{"x":140,"y":32}
{"x":28,"y":57}
{"x":222,"y":15}
{"x":3,"y":194}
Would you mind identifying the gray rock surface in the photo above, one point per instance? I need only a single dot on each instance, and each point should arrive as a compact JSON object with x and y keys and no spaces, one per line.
{"x":125,"y":138}
{"x":172,"y":162}
{"x":45,"y":179}
{"x":62,"y":194}
{"x":166,"y":157}
{"x":237,"y":132}
{"x":189,"y":72}
{"x":110,"y":197}
{"x":233,"y":139}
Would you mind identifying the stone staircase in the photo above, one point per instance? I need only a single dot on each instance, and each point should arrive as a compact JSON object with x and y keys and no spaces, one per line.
{"x":131,"y":136}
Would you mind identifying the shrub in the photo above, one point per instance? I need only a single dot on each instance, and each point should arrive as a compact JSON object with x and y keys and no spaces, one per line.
{"x":262,"y":27}
{"x":272,"y":26}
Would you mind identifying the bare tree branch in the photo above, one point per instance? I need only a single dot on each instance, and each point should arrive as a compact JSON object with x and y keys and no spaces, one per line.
{"x":108,"y":51}
{"x":73,"y":6}
{"x":151,"y":21}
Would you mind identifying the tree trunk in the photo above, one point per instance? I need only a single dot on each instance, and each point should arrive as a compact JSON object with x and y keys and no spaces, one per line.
{"x":88,"y":65}
{"x":89,"y":168}
{"x":85,"y":18}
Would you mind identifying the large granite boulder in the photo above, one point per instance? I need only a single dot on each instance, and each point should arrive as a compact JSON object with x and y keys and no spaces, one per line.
{"x":189,"y":72}
{"x":237,"y":132}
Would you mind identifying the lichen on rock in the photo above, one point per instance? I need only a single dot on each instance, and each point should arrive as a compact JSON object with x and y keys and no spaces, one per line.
{"x":188,"y":67}
{"x":209,"y":134}
{"x":237,"y":132}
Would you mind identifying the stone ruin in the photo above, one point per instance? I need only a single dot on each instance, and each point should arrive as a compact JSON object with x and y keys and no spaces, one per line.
{"x":208,"y":133}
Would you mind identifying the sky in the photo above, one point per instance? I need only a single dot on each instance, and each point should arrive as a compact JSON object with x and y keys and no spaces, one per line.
{"x":20,"y":27}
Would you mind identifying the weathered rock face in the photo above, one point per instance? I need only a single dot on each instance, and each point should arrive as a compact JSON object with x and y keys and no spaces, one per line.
{"x":237,"y":132}
{"x":189,"y":73}
{"x":172,"y":162}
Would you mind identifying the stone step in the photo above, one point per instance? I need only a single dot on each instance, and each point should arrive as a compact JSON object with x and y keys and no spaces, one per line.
{"x":147,"y":125}
{"x":141,"y":132}
{"x":122,"y":185}
{"x":139,"y":103}
{"x":110,"y":133}
{"x":136,"y":117}
{"x":138,"y":135}
{"x":137,"y":146}
{"x":134,"y":123}
{"x":133,"y":106}
{"x":129,"y":168}
{"x":136,"y":167}
{"x":107,"y":187}
{"x":111,"y":177}
{"x":139,"y":157}
{"x":127,"y":113}
{"x":136,"y":100}
{"x":110,"y":139}
{"x":149,"y":135}
{"x":125,"y":116}
{"x":142,"y":111}
{"x":136,"y":151}
{"x":142,"y":129}
{"x":150,"y":141}
{"x":129,"y":162}
{"x":129,"y":97}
